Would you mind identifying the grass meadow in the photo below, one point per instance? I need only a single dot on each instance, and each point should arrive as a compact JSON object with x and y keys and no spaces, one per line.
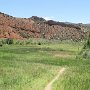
{"x":33,"y":66}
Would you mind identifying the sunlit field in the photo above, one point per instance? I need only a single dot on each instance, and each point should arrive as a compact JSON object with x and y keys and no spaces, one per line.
{"x":33,"y":66}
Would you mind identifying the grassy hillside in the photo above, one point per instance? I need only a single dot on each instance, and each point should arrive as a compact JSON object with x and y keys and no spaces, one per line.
{"x":32,"y":67}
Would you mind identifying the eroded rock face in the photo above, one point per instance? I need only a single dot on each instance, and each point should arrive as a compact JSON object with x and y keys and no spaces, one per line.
{"x":35,"y":27}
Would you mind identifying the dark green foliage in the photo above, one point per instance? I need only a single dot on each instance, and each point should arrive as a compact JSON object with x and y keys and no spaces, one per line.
{"x":9,"y":41}
{"x":39,"y":43}
{"x":88,"y":41}
{"x":1,"y":44}
{"x":87,"y":44}
{"x":86,"y":48}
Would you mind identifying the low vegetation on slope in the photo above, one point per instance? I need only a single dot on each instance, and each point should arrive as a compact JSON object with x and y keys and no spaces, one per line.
{"x":33,"y":66}
{"x":86,"y":49}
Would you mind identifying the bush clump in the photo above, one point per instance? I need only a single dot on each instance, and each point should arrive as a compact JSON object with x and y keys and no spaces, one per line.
{"x":9,"y":41}
{"x":86,"y":48}
{"x":39,"y":43}
{"x":1,"y":44}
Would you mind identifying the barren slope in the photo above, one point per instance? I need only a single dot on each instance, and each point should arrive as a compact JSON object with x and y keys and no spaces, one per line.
{"x":35,"y":27}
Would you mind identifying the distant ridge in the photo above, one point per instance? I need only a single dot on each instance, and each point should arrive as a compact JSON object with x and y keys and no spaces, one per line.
{"x":38,"y":27}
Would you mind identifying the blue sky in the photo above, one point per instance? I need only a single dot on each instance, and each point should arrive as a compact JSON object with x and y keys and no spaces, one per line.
{"x":76,"y":11}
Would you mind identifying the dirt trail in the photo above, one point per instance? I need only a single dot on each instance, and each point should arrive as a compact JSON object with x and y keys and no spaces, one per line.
{"x":49,"y":86}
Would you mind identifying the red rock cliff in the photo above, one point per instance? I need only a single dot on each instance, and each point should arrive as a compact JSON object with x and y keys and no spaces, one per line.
{"x":35,"y":27}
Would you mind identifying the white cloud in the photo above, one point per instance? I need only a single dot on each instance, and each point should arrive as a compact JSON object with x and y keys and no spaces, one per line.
{"x":48,"y":18}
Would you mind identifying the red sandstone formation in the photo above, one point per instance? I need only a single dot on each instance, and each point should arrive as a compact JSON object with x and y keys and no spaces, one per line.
{"x":35,"y":27}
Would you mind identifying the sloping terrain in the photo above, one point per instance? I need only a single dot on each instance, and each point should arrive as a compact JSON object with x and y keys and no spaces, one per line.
{"x":35,"y":27}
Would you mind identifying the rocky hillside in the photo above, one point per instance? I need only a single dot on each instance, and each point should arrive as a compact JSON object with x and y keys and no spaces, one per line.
{"x":36,"y":27}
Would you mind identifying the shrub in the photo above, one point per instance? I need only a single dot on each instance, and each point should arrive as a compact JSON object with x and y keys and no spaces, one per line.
{"x":1,"y":44}
{"x":9,"y":41}
{"x":86,"y":54}
{"x":39,"y":43}
{"x":86,"y":48}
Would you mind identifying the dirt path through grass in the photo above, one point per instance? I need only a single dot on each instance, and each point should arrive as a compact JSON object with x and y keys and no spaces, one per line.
{"x":49,"y":86}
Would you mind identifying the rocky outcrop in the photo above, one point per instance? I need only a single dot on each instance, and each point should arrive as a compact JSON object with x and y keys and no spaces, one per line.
{"x":36,"y":27}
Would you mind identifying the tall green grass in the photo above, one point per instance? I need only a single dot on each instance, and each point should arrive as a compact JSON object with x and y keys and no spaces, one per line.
{"x":33,"y":66}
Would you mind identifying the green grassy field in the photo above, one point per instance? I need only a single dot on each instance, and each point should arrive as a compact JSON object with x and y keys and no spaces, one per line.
{"x":32,"y":67}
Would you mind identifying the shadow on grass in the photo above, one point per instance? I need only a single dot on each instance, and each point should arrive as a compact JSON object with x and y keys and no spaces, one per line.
{"x":25,"y":50}
{"x":47,"y":61}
